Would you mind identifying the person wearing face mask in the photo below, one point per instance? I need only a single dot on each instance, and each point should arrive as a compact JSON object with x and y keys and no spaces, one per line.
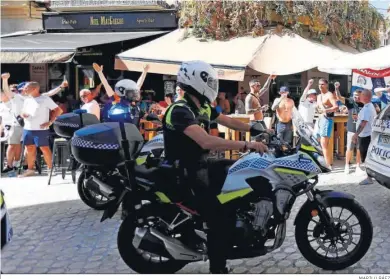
{"x":125,"y":106}
{"x":308,"y":103}
{"x":284,"y":107}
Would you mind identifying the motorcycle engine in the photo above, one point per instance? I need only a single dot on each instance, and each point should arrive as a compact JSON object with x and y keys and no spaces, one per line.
{"x":244,"y":227}
{"x":262,"y":212}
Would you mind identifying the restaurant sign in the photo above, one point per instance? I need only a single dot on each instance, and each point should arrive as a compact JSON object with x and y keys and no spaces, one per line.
{"x":101,"y":21}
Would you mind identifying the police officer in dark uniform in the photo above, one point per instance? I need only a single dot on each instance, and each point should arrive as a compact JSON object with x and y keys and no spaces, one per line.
{"x":187,"y":142}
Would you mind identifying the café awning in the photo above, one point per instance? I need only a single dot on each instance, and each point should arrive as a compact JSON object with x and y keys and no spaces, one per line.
{"x":289,"y":53}
{"x":282,"y":54}
{"x":373,"y":59}
{"x":58,"y":47}
{"x":165,"y":54}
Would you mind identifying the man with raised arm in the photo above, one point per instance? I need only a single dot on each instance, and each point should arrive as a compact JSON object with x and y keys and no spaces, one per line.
{"x":252,"y":101}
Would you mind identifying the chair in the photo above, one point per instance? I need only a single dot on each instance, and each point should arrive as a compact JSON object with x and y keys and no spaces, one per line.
{"x":60,"y":157}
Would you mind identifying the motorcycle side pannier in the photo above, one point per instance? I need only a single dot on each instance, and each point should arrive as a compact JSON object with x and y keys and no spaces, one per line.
{"x":66,"y":124}
{"x":101,"y":144}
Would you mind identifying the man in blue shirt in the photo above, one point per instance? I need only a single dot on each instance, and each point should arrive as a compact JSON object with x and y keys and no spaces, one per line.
{"x":383,"y":94}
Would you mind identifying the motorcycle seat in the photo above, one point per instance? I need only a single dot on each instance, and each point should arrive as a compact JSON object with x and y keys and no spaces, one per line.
{"x":217,"y":173}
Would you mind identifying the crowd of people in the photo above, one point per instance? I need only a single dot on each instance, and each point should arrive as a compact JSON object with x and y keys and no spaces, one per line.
{"x":30,"y":118}
{"x":27,"y":114}
{"x":189,"y":117}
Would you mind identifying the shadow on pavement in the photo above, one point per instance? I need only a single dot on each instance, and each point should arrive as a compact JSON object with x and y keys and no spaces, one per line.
{"x":67,"y":237}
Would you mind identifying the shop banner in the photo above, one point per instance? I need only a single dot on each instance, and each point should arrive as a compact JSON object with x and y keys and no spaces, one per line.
{"x":110,"y":20}
{"x":370,"y":79}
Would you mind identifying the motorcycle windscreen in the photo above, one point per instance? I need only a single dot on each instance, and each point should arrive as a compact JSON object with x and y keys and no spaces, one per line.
{"x":101,"y":144}
{"x":305,"y":131}
{"x":66,"y":124}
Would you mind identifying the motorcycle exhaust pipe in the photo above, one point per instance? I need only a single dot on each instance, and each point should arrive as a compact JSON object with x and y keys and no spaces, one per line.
{"x":99,"y":186}
{"x":151,"y":240}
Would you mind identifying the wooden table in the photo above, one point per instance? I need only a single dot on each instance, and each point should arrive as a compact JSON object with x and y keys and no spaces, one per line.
{"x":144,"y":124}
{"x":338,"y":121}
{"x":234,"y":135}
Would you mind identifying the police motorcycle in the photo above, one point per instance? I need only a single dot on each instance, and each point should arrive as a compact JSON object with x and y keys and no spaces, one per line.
{"x":64,"y":126}
{"x":332,"y":230}
{"x":96,"y":183}
{"x":90,"y":193}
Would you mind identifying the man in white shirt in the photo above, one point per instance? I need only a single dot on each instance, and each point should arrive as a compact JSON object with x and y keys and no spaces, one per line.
{"x":15,"y":104}
{"x":12,"y":106}
{"x":364,"y":122}
{"x":11,"y":110}
{"x":39,"y":112}
{"x":308,"y":104}
{"x":239,"y":101}
{"x":90,"y":105}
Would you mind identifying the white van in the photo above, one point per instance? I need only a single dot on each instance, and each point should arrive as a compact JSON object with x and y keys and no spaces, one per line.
{"x":378,"y":155}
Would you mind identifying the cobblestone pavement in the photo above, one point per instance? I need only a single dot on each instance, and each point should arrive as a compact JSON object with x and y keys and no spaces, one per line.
{"x":54,"y":232}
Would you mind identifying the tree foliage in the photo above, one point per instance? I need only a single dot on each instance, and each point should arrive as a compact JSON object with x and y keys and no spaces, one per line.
{"x":355,"y":23}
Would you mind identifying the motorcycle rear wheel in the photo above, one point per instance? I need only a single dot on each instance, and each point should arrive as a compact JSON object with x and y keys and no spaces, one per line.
{"x":337,"y":263}
{"x":136,"y":260}
{"x":87,"y":197}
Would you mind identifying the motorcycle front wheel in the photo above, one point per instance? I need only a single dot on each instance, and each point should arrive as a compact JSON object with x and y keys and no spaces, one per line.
{"x":138,"y":260}
{"x":89,"y":197}
{"x":353,"y":237}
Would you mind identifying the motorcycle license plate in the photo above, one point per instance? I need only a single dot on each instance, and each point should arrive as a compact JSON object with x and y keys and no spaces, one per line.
{"x":384,"y":140}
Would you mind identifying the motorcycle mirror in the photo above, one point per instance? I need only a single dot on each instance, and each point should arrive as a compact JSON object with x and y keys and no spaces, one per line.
{"x":152,"y":117}
{"x":256,"y":129}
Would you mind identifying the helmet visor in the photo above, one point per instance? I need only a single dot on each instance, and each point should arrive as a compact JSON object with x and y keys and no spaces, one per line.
{"x":131,"y":95}
{"x":213,"y":83}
